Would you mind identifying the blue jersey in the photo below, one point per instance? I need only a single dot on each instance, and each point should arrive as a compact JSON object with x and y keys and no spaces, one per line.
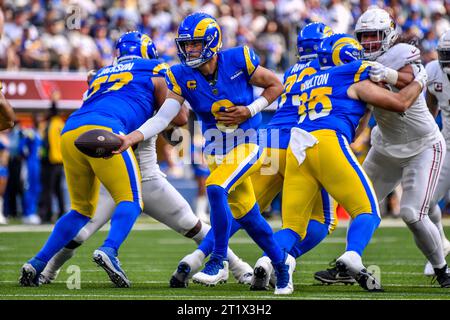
{"x":206,"y":97}
{"x":323,"y":102}
{"x":286,"y":115}
{"x":120,"y":96}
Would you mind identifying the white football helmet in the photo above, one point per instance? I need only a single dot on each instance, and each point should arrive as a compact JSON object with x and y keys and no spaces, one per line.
{"x":376,"y":21}
{"x":443,"y":50}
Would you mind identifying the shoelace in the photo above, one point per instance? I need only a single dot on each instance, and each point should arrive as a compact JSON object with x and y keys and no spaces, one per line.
{"x":213,"y":266}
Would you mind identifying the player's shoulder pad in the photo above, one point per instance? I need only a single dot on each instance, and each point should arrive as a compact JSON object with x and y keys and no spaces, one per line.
{"x":399,"y":56}
{"x":242,"y":57}
{"x":160,"y":68}
{"x":174,"y":76}
{"x":354,"y":71}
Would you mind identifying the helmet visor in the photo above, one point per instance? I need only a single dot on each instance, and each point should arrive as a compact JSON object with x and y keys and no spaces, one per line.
{"x":371,"y":40}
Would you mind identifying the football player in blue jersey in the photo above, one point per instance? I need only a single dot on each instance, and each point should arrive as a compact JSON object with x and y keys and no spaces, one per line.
{"x":330,"y":104}
{"x":268,"y":184}
{"x":218,"y":86}
{"x":121,"y":97}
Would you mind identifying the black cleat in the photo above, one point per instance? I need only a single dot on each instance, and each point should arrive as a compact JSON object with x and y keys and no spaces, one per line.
{"x":442,"y":277}
{"x":28,"y":276}
{"x":180,"y":278}
{"x":364,"y":278}
{"x":332,"y":276}
{"x":260,"y":281}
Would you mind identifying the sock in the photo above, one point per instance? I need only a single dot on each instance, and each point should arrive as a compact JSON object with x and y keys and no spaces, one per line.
{"x":286,"y":239}
{"x":220,"y":219}
{"x":316,"y":232}
{"x":66,"y":228}
{"x":435,"y":215}
{"x":428,"y":240}
{"x":360,"y":232}
{"x":58,"y":261}
{"x":260,"y":231}
{"x":207,"y":244}
{"x":202,"y":206}
{"x":198,"y":238}
{"x":122,"y":221}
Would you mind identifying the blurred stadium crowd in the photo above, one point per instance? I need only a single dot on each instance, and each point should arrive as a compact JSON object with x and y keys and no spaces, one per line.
{"x":80,"y":34}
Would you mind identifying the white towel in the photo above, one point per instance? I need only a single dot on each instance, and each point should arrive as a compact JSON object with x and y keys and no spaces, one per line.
{"x":300,"y":141}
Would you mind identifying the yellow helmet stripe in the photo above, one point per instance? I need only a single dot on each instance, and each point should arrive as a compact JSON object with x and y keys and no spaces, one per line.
{"x":145,"y":40}
{"x":338,"y":45}
{"x":200,"y":30}
{"x":347,"y":40}
{"x":248,"y":61}
{"x":327,"y":31}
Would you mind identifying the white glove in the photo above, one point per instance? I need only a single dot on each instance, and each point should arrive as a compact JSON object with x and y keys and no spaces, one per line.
{"x":380,"y":73}
{"x":420,"y":74}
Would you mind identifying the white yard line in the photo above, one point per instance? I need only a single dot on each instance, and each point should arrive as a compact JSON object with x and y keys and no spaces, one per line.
{"x":388,"y":223}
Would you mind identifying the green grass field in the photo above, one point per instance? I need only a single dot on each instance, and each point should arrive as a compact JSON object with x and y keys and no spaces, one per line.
{"x":149,"y":258}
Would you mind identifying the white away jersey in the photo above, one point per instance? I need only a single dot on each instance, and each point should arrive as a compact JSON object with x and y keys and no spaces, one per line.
{"x":405,"y":134}
{"x":147,"y":159}
{"x":439,"y":86}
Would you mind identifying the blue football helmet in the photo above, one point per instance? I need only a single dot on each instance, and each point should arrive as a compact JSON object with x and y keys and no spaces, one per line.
{"x":134,"y":44}
{"x":198,"y":27}
{"x":310,"y":38}
{"x":339,"y":49}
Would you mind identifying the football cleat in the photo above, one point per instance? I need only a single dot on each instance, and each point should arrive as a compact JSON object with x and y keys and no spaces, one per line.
{"x":180,"y":278}
{"x":30,"y":273}
{"x":429,"y":271}
{"x":261,"y":274}
{"x":215,"y":272}
{"x":284,"y":272}
{"x":106,"y":258}
{"x":364,"y":278}
{"x":241,"y":271}
{"x":332,"y":276}
{"x":47,"y":277}
{"x":442,"y":277}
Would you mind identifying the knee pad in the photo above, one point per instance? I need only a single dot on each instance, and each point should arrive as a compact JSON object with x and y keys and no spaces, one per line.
{"x":409,"y":215}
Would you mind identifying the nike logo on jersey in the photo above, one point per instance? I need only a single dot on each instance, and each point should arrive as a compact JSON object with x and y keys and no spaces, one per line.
{"x":237,"y":74}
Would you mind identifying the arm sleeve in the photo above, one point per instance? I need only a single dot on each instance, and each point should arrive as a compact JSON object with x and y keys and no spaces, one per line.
{"x":161,"y":120}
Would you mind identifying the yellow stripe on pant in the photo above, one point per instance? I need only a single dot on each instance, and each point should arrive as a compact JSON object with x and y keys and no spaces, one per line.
{"x":329,"y":164}
{"x":268,"y":182}
{"x":120,"y":174}
{"x":232,"y":172}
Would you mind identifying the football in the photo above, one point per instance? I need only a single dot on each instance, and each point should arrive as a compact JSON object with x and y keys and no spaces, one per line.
{"x":98,"y":143}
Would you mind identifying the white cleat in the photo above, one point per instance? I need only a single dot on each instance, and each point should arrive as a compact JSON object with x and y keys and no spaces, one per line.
{"x":47,"y":277}
{"x":285,"y":282}
{"x":428,"y":270}
{"x":32,"y":220}
{"x":351,"y":263}
{"x":215,"y":272}
{"x":261,"y":274}
{"x":242,"y":271}
{"x":3,"y":220}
